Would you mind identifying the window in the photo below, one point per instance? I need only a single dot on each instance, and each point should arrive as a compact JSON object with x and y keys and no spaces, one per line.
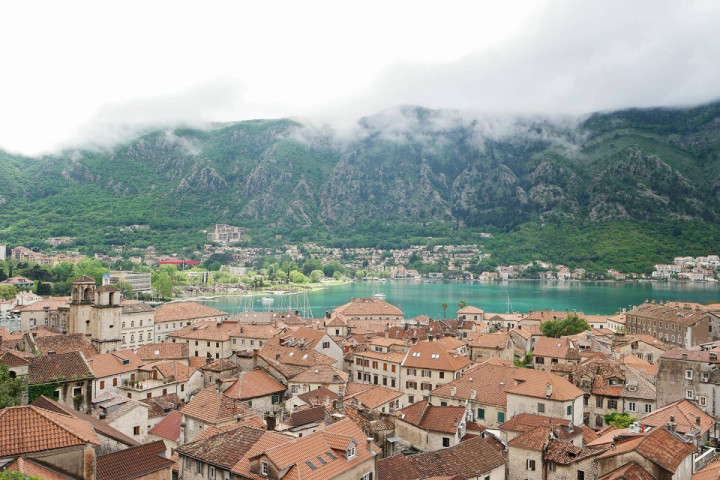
{"x":234,"y":341}
{"x":530,"y":465}
{"x":551,"y":466}
{"x":568,"y":410}
{"x":136,"y":430}
{"x":703,"y":401}
{"x":580,"y":475}
{"x":141,"y":323}
{"x":367,"y":476}
{"x":374,"y":364}
{"x":586,"y":400}
{"x":132,"y":324}
{"x":442,"y":374}
{"x":115,"y":382}
{"x":141,"y":337}
{"x":132,"y":338}
{"x":481,"y":414}
{"x":501,"y":417}
{"x":648,"y":408}
{"x":198,"y":467}
{"x":211,"y":472}
{"x":632,"y":407}
{"x":598,"y":402}
{"x":541,"y":408}
{"x":443,"y":404}
{"x":689,"y":394}
{"x":599,"y":421}
{"x":540,"y":360}
{"x":612,"y":404}
{"x":385,"y":367}
{"x":426,"y":373}
{"x":446,"y":441}
{"x":688,"y":374}
{"x":326,"y":345}
{"x":77,"y":391}
{"x":392,"y":382}
{"x":392,"y":368}
{"x":102,"y":384}
{"x":351,"y":451}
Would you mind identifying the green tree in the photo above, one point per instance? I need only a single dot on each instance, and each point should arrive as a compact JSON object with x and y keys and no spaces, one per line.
{"x":525,"y":361}
{"x":10,"y":388}
{"x":570,"y":325}
{"x":316,"y":276}
{"x":162,"y":286}
{"x":43,"y":288}
{"x":8,"y":291}
{"x":296,"y":276}
{"x":620,"y":420}
{"x":444,"y":307}
{"x":461,"y":304}
{"x":91,"y":268}
{"x":125,"y":289}
{"x":15,"y":475}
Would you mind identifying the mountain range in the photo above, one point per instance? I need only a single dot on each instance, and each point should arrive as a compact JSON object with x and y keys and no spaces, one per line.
{"x":406,"y":169}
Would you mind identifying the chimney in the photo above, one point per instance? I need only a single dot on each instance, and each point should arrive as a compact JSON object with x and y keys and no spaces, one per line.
{"x":473,"y":394}
{"x":548,"y":390}
{"x":570,"y":426}
{"x":697,"y":420}
{"x":89,"y":462}
{"x":671,"y":424}
{"x":453,"y":391}
{"x":327,"y":314}
{"x":270,"y":422}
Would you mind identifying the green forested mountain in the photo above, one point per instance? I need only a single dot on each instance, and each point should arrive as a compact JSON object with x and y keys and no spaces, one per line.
{"x":645,"y":183}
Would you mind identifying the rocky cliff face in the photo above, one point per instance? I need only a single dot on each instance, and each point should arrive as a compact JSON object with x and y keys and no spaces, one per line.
{"x":406,"y":164}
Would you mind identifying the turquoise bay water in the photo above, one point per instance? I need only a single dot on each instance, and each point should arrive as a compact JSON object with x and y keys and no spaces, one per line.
{"x":416,"y":298}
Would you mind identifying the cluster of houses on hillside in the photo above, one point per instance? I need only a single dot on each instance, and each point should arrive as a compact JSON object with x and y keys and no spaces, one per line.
{"x":115,"y":389}
{"x":688,"y":268}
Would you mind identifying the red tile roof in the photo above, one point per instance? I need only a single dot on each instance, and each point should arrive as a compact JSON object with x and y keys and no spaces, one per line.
{"x":135,"y":462}
{"x":253,"y":384}
{"x":62,"y":366}
{"x":469,"y":459}
{"x":555,"y":348}
{"x":72,"y":342}
{"x":114,"y":363}
{"x":535,"y":439}
{"x":101,"y":428}
{"x":659,"y":446}
{"x":435,"y":356}
{"x":182,"y":311}
{"x":163,"y":351}
{"x":31,"y":429}
{"x":32,"y":469}
{"x":430,"y":417}
{"x":685,"y":414}
{"x":212,"y":407}
{"x":633,"y":471}
{"x":168,"y":427}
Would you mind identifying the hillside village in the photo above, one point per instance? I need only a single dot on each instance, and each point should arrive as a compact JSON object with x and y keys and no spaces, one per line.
{"x":108,"y":388}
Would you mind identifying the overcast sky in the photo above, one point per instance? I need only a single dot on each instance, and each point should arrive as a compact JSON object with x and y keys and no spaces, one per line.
{"x":74,"y":72}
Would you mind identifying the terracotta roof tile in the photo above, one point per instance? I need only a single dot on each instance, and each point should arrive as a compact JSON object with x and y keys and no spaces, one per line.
{"x":163,"y":351}
{"x":307,"y":416}
{"x":318,"y":396}
{"x":232,"y":449}
{"x":135,"y":462}
{"x":555,"y":348}
{"x":430,"y":417}
{"x":566,"y":452}
{"x":710,"y":472}
{"x":212,"y":407}
{"x":535,"y":439}
{"x":13,"y":359}
{"x":253,"y":384}
{"x":488,"y":340}
{"x":168,"y":427}
{"x":296,"y":454}
{"x":32,"y":429}
{"x":73,"y":342}
{"x":160,"y":406}
{"x":185,"y":311}
{"x":101,"y":428}
{"x":325,"y":374}
{"x":469,"y":459}
{"x":212,"y":331}
{"x":114,"y":363}
{"x":435,"y":356}
{"x":374,"y":397}
{"x":262,"y":331}
{"x":632,"y":471}
{"x":50,"y":368}
{"x":659,"y":446}
{"x":373,"y":306}
{"x":686,"y":415}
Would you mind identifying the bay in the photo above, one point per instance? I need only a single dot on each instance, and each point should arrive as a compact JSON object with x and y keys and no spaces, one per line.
{"x":416,"y":298}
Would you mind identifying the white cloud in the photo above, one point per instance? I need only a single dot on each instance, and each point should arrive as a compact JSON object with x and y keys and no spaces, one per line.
{"x":99,"y":71}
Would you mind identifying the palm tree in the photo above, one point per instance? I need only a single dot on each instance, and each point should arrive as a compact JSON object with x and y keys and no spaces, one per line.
{"x":444,"y":307}
{"x":461,"y":304}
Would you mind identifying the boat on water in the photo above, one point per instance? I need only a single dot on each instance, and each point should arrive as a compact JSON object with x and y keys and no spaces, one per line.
{"x":379,"y":295}
{"x":267,"y":299}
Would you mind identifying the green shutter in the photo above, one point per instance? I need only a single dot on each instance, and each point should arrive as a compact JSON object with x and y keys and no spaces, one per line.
{"x":443,"y":404}
{"x":501,"y":417}
{"x":569,"y":409}
{"x":481,"y":414}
